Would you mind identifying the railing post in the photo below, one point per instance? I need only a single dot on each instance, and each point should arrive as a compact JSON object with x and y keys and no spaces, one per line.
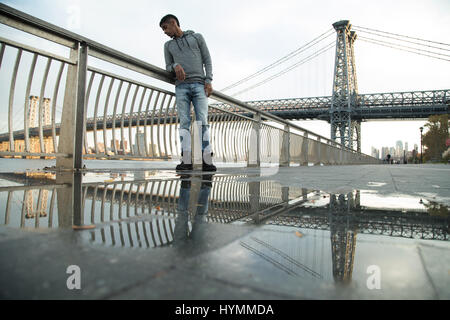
{"x":72,"y":121}
{"x":81,"y":105}
{"x":255,"y":199}
{"x":305,"y":150}
{"x":285,"y":157}
{"x":196,"y":144}
{"x":319,"y":152}
{"x":254,"y":150}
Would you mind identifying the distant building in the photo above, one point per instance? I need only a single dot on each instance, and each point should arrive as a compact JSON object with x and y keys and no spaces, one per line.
{"x":33,"y":112}
{"x":399,"y":149}
{"x":139,"y":147}
{"x":384,"y":152}
{"x":119,"y":146}
{"x":375,"y":153}
{"x":35,"y":145}
{"x":392,"y":151}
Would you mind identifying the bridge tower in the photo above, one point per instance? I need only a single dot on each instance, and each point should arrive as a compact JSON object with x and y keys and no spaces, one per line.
{"x":343,"y":235}
{"x":344,"y":129}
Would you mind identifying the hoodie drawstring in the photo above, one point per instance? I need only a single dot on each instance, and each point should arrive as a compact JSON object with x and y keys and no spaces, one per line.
{"x":187,"y":42}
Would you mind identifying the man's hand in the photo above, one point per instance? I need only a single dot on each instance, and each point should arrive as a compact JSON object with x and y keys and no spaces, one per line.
{"x":181,"y":75}
{"x":208,"y":89}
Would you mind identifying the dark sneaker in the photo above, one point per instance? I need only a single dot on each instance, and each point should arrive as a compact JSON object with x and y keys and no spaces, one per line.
{"x":207,"y":162}
{"x":208,"y":167}
{"x":207,"y":180}
{"x":184,"y":167}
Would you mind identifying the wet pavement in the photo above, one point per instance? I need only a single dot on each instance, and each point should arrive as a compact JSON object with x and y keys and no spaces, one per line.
{"x":322,"y":232}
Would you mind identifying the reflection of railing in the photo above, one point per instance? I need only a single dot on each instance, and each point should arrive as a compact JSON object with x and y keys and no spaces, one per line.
{"x":92,"y":93}
{"x":147,"y":214}
{"x":231,"y":199}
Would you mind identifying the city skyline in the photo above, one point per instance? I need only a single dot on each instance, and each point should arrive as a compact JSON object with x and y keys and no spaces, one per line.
{"x":400,"y":150}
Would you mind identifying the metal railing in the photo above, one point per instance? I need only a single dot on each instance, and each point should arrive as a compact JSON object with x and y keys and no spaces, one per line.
{"x":109,"y":116}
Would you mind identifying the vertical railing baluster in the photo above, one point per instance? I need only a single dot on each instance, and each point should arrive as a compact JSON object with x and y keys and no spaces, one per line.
{"x":102,"y":212}
{"x":130,"y":121}
{"x":166,"y":149}
{"x":138,"y":120}
{"x":113,"y":125}
{"x":11,"y":101}
{"x":24,"y":208}
{"x":172,"y":109}
{"x":220,"y":135}
{"x":54,"y":99}
{"x":94,"y":198}
{"x":113,"y":197}
{"x":122,"y":136}
{"x":158,"y":134}
{"x":176,"y":131}
{"x":97,"y":99}
{"x":27,"y":104}
{"x":41,"y":106}
{"x":146,"y":123}
{"x":51,"y":209}
{"x":88,"y":94}
{"x":8,"y":207}
{"x":2,"y":52}
{"x":105,"y":114}
{"x":153,"y":123}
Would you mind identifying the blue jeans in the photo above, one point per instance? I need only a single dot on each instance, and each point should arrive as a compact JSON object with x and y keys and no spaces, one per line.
{"x":181,"y":230}
{"x":185,"y":94}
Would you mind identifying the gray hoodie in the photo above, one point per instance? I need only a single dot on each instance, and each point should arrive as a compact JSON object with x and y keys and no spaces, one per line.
{"x":191,"y":52}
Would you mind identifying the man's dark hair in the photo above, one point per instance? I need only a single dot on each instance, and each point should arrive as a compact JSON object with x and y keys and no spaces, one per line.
{"x":167,"y":17}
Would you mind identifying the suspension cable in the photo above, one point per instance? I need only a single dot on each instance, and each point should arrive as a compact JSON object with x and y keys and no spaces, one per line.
{"x":395,"y":34}
{"x":407,"y":47}
{"x":413,"y":42}
{"x":287,"y":57}
{"x":395,"y":46}
{"x":299,"y":63}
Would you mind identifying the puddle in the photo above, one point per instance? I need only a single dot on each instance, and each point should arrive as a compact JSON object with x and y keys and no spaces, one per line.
{"x":376,"y":184}
{"x":300,"y":237}
{"x":152,"y":204}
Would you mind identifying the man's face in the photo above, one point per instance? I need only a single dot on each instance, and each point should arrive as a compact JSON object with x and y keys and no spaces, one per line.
{"x":169,"y":28}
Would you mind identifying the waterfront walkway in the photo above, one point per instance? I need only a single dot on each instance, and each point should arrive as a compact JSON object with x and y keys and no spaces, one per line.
{"x":257,"y":256}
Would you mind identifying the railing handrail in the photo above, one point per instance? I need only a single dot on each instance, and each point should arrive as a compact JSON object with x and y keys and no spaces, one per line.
{"x":46,"y":30}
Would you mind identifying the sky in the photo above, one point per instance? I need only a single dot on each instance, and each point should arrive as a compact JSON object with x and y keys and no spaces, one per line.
{"x":244,"y":36}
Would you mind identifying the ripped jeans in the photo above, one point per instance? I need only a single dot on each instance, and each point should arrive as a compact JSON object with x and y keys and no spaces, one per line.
{"x":185,"y":94}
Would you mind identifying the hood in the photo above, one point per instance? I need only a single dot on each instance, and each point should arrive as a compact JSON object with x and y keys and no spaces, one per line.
{"x":183,"y":37}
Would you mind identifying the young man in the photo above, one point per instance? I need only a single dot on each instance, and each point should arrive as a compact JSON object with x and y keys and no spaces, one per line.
{"x":188,"y":57}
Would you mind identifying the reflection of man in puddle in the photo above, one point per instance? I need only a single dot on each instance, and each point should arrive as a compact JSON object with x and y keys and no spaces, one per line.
{"x":192,"y":203}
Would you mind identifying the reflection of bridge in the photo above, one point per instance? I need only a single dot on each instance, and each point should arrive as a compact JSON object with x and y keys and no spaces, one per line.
{"x":230,"y":201}
{"x":144,"y":213}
